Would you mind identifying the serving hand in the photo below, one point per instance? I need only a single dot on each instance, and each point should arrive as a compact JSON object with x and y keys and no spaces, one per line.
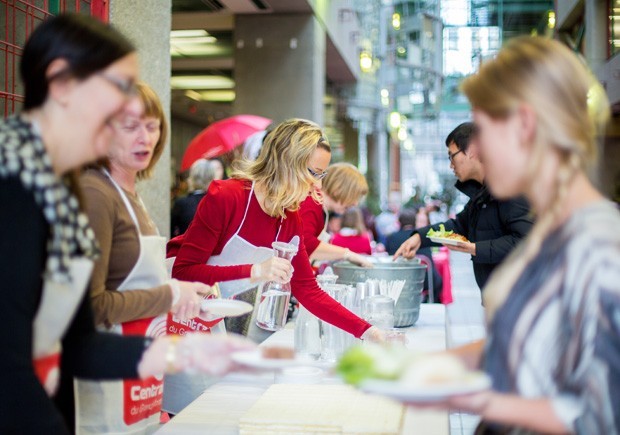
{"x":186,"y":298}
{"x":409,"y":247}
{"x":275,"y":269}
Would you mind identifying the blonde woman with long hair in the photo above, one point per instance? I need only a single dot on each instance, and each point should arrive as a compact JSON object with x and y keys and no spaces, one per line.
{"x":343,"y":187}
{"x":553,"y":308}
{"x":230,"y":239}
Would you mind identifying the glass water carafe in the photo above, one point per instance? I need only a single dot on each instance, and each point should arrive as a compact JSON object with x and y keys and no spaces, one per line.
{"x":308,"y":326}
{"x":274,"y":298}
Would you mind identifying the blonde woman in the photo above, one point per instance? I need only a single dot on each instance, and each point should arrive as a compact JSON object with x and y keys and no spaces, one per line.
{"x":343,"y":187}
{"x":553,"y":307}
{"x":230,"y":239}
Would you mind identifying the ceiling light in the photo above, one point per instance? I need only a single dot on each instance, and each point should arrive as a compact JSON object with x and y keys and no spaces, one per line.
{"x":194,"y":33}
{"x":201,"y":82}
{"x":218,"y":96}
{"x":193,"y":95}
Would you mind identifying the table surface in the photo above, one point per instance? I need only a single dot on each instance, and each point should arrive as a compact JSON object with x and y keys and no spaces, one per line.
{"x":218,"y":410}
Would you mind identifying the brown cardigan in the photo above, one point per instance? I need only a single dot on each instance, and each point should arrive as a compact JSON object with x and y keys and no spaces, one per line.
{"x":118,"y":239}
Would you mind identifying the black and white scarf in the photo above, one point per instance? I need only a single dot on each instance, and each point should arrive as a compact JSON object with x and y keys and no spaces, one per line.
{"x":23,"y":155}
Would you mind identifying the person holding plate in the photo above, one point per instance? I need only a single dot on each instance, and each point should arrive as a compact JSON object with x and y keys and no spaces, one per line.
{"x":130,"y":291}
{"x":553,"y":306}
{"x":78,"y":74}
{"x":492,"y":226}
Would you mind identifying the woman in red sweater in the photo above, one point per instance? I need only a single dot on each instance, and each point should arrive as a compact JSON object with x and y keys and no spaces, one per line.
{"x":353,"y":235}
{"x":343,"y":187}
{"x":229,"y":240}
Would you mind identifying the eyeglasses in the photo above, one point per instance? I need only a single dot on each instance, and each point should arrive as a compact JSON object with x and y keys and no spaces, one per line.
{"x":318,"y":176}
{"x":451,"y":156}
{"x":132,"y":125}
{"x":126,"y":87}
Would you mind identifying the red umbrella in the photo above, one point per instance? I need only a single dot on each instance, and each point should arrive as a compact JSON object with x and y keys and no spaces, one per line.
{"x":221,"y":137}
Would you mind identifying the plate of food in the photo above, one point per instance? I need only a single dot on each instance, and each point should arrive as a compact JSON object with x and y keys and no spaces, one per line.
{"x":445,"y":237}
{"x":225,"y":307}
{"x":472,"y":382}
{"x":274,"y":358}
{"x":403,"y":375}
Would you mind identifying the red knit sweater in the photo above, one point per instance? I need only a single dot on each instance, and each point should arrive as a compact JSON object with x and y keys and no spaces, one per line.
{"x":313,"y":217}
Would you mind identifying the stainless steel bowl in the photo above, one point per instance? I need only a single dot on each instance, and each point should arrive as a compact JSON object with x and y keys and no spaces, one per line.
{"x":407,"y":308}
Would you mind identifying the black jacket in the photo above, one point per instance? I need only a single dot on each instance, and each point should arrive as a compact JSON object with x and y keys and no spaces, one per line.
{"x":494,"y":226}
{"x":183,"y":212}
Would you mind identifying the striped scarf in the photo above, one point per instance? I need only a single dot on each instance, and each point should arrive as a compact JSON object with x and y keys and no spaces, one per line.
{"x":23,"y":155}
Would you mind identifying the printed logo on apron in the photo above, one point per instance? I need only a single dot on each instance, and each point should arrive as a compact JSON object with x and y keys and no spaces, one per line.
{"x":131,"y":405}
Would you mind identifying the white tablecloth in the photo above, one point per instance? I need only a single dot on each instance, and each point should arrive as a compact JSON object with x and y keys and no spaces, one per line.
{"x":218,"y":410}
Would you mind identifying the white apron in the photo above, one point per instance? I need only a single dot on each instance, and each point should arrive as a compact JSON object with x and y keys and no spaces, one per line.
{"x":324,"y":236}
{"x":130,"y":406}
{"x":181,"y":389}
{"x":56,"y":310}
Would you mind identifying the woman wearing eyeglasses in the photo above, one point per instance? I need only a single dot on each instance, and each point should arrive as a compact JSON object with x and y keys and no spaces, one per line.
{"x":130,"y":291}
{"x":77,"y":74}
{"x":230,"y":238}
{"x":343,"y":186}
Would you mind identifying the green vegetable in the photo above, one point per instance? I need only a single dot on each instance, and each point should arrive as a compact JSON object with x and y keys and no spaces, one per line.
{"x":372,"y":361}
{"x":441,"y":233}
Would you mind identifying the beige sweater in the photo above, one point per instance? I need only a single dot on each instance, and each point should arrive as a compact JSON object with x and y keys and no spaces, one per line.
{"x":120,"y":248}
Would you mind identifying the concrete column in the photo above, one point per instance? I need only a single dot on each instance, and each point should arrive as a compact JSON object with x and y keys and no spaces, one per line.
{"x":147,"y":24}
{"x":596,"y":20}
{"x":279,"y":66}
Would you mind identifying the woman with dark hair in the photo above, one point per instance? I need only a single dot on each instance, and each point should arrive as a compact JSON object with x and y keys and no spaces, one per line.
{"x":78,"y":74}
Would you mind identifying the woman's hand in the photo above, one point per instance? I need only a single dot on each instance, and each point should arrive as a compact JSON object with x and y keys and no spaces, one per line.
{"x":192,"y":353}
{"x":275,"y":269}
{"x":375,"y":335}
{"x":186,"y":298}
{"x":356,"y":258}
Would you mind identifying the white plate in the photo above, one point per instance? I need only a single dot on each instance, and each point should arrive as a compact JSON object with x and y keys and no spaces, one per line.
{"x":445,"y":241}
{"x":255,"y":359}
{"x":473,"y":383}
{"x":225,"y":307}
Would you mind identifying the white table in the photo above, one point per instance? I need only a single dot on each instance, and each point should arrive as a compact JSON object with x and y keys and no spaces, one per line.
{"x":218,"y":410}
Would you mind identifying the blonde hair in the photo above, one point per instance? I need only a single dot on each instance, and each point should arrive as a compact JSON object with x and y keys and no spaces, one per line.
{"x":281,"y":168}
{"x":152,"y":109}
{"x":345,"y":184}
{"x":547,"y":76}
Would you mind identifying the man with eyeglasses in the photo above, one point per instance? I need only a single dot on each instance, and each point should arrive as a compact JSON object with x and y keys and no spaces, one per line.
{"x":492,"y":227}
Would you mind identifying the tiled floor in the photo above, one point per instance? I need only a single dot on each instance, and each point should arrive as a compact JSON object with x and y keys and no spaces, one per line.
{"x":466,"y":323}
